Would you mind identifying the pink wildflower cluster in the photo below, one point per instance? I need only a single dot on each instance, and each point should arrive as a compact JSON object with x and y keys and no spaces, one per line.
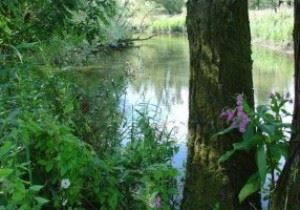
{"x":237,"y":117}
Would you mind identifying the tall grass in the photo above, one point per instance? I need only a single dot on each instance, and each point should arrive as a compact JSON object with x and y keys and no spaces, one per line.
{"x":169,"y":25}
{"x":272,"y":27}
{"x":267,"y":26}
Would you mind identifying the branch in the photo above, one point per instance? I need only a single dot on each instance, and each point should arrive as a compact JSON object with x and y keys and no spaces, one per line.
{"x":135,"y":39}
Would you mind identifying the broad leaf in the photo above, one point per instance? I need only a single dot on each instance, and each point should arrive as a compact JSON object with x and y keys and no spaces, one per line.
{"x":252,"y":186}
{"x":261,"y":161}
{"x":226,"y":156}
{"x":36,"y":188}
{"x":41,"y":200}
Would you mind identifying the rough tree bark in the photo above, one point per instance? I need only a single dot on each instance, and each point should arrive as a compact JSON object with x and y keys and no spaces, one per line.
{"x":287,"y":194}
{"x":220,"y":62}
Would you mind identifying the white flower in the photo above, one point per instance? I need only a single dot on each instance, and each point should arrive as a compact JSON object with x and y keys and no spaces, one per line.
{"x":64,"y":203}
{"x":65,"y":183}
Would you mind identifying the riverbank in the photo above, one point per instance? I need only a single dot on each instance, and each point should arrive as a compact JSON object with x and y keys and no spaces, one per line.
{"x":269,"y":29}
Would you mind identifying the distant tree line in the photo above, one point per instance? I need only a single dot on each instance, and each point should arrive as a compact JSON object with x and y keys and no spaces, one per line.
{"x":263,"y":4}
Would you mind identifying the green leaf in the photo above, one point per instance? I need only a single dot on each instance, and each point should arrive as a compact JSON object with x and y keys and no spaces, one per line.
{"x":19,"y":192}
{"x":268,"y":117}
{"x":36,"y":188}
{"x":257,"y":139}
{"x":249,"y":134}
{"x":268,"y":128}
{"x":41,"y":200}
{"x":252,"y":185}
{"x":261,"y":161}
{"x":261,"y":109}
{"x":247,"y":108}
{"x":5,"y":148}
{"x":223,"y":132}
{"x":244,"y":145}
{"x":4,"y":172}
{"x":226,"y":156}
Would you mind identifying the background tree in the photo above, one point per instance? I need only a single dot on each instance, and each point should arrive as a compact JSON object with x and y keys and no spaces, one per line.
{"x":287,"y":195}
{"x":273,"y":4}
{"x":172,"y":7}
{"x":220,"y":56}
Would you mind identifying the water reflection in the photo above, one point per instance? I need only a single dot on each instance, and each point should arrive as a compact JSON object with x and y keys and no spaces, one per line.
{"x":272,"y":72}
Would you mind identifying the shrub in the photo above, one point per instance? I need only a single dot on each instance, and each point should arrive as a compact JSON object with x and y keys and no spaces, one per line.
{"x":265,"y":133}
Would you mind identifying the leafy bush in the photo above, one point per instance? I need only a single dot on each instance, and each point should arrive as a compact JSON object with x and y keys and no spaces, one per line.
{"x":30,"y":21}
{"x":61,"y":145}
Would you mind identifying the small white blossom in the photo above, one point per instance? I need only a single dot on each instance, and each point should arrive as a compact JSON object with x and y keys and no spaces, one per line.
{"x":65,"y":183}
{"x":64,"y":203}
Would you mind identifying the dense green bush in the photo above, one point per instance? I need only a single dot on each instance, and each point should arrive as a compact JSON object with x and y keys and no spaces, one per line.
{"x":29,"y":21}
{"x":63,"y":146}
{"x":45,"y":163}
{"x":264,"y":132}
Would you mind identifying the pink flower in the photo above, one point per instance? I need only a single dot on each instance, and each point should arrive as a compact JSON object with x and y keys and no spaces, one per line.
{"x":239,"y":109}
{"x":243,"y":121}
{"x":228,"y":115}
{"x":239,"y":100}
{"x":157,"y":202}
{"x":237,"y":117}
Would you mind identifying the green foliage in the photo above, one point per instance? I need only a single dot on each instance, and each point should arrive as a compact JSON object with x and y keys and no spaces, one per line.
{"x":169,"y":25}
{"x":267,"y":135}
{"x":30,"y":21}
{"x":172,"y":7}
{"x":148,"y":156}
{"x":62,"y":145}
{"x":40,"y":148}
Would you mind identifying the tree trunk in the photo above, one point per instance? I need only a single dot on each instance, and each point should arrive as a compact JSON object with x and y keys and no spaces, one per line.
{"x":287,"y":194}
{"x":220,"y":56}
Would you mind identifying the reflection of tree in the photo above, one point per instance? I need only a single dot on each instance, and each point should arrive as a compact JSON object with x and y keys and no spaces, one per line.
{"x":271,"y":72}
{"x":162,"y":67}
